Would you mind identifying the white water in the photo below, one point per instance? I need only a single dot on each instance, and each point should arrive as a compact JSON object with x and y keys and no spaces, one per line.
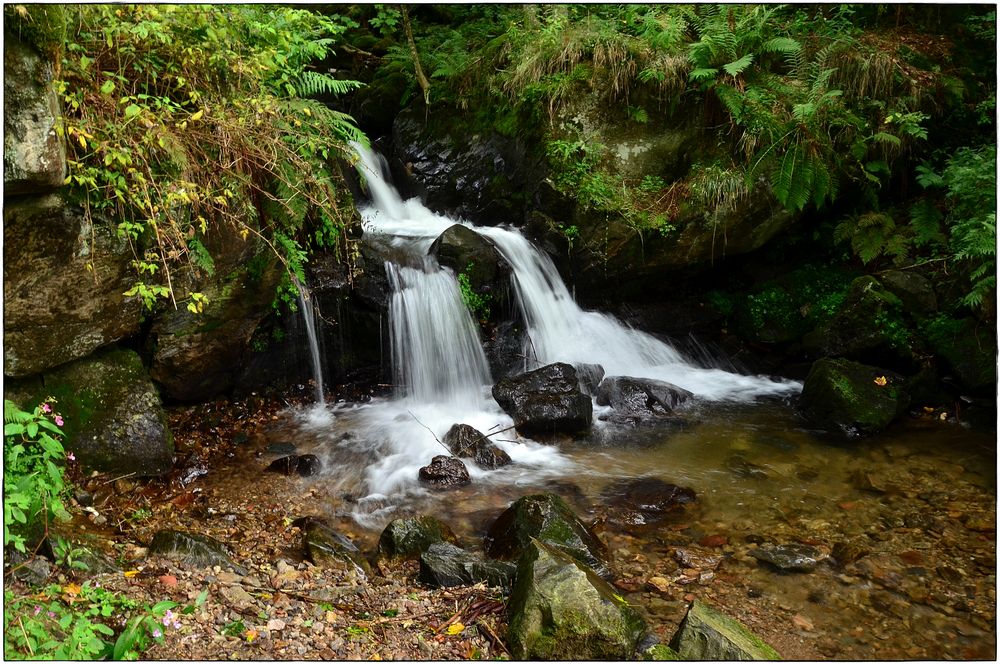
{"x":441,"y":374}
{"x":309,"y":317}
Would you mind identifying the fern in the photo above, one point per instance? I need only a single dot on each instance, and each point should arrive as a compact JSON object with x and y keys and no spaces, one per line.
{"x":312,"y":83}
{"x":14,"y":415}
{"x":736,"y":67}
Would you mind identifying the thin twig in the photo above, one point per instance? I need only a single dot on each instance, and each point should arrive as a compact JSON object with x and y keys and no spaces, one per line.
{"x":429,"y":429}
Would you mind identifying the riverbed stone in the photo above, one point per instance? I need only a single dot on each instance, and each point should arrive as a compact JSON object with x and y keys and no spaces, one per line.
{"x":192,"y":549}
{"x":851,"y":398}
{"x":643,"y":502}
{"x":305,"y":465}
{"x":547,"y":518}
{"x":325,"y":547}
{"x":34,"y":156}
{"x":445,"y":472}
{"x":405,"y":539}
{"x":114,"y":421}
{"x":590,"y":376}
{"x":560,"y":609}
{"x":789,"y":557}
{"x":444,"y":565}
{"x":707,"y":634}
{"x":545,"y":401}
{"x":64,"y":282}
{"x":638,"y":399}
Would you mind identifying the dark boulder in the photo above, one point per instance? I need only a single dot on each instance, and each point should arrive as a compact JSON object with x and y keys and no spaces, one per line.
{"x":114,"y":420}
{"x":548,"y":518}
{"x":707,"y":634}
{"x":914,"y":290}
{"x":789,"y":557}
{"x":192,"y":549}
{"x":590,"y":377}
{"x":969,"y":348}
{"x":477,"y":259}
{"x":643,"y":502}
{"x":504,"y":348}
{"x":559,"y":609}
{"x":444,"y":565}
{"x":325,"y":547}
{"x":445,"y":472}
{"x":468,"y":443}
{"x":546,"y":400}
{"x":637,"y":399}
{"x":850,"y":398}
{"x":408,"y":538}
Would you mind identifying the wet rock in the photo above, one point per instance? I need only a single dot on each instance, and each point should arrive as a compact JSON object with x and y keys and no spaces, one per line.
{"x":487,"y":272}
{"x":590,"y":377}
{"x":192,"y":549}
{"x":789,"y":557}
{"x":643,"y":502}
{"x":660,"y":653}
{"x":445,"y":472}
{"x":637,"y":399}
{"x":408,"y":538}
{"x":707,"y":634}
{"x":466,"y":442}
{"x":850,"y":398}
{"x":740,"y":467}
{"x":444,"y":565}
{"x":305,"y":465}
{"x":559,"y":609}
{"x":547,"y":518}
{"x":969,"y":347}
{"x":914,"y":290}
{"x":33,"y":570}
{"x":693,"y":559}
{"x":325,"y":547}
{"x":281,"y":448}
{"x":546,"y":400}
{"x":114,"y":420}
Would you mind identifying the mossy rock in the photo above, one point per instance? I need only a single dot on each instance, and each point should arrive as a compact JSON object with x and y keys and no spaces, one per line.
{"x":444,"y":565}
{"x":114,"y":421}
{"x":406,"y":539}
{"x":707,"y":634}
{"x":660,"y":653}
{"x":547,"y":518}
{"x":560,"y":609}
{"x":192,"y":549}
{"x":969,"y":347}
{"x":851,"y":398}
{"x":325,"y":547}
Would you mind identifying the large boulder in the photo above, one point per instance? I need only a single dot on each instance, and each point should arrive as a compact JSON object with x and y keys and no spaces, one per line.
{"x":114,"y":419}
{"x":34,"y":157}
{"x":325,"y":547}
{"x":405,"y":539}
{"x":546,"y":517}
{"x":546,"y":400}
{"x":445,"y":472}
{"x":444,"y":565}
{"x":707,"y":634}
{"x":969,"y":348}
{"x":851,"y":398}
{"x":475,"y":259}
{"x":637,"y":399}
{"x":63,"y":283}
{"x":468,"y":443}
{"x":559,"y":609}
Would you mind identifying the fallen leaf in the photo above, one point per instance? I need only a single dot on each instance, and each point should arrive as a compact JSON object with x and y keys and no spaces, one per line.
{"x":250,"y":635}
{"x":168,"y":580}
{"x":132,"y":572}
{"x":455,"y":628}
{"x":71,"y":589}
{"x":660,"y":583}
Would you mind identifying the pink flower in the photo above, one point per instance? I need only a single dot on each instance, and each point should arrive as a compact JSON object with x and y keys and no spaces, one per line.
{"x":46,"y":408}
{"x":59,"y":420}
{"x":38,"y":610}
{"x":71,"y":456}
{"x":177,"y":624}
{"x":157,"y":633}
{"x":168,"y":618}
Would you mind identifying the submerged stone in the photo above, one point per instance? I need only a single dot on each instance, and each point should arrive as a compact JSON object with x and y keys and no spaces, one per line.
{"x":192,"y":549}
{"x":789,"y":557}
{"x":707,"y":634}
{"x":444,"y":565}
{"x":305,"y":465}
{"x":548,"y":518}
{"x":325,"y":547}
{"x":640,"y":398}
{"x":408,"y":538}
{"x":559,"y":609}
{"x":850,"y":398}
{"x":467,"y":442}
{"x":646,"y":501}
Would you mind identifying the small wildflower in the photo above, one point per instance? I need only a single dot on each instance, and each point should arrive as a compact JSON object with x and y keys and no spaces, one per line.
{"x":177,"y":624}
{"x":38,"y":610}
{"x":46,"y":408}
{"x":157,"y":633}
{"x":71,"y":456}
{"x":59,"y":420}
{"x":51,"y":614}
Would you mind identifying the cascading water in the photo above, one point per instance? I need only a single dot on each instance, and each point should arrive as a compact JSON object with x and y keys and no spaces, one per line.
{"x":440,"y":371}
{"x":309,"y":317}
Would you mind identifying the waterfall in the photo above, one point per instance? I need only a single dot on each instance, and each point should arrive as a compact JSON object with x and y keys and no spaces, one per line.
{"x":436,"y":353}
{"x":309,"y":316}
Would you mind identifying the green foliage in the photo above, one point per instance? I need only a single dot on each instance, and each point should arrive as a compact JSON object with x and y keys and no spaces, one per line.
{"x":74,"y":622}
{"x":184,"y":121}
{"x":478,"y":304}
{"x":33,"y":480}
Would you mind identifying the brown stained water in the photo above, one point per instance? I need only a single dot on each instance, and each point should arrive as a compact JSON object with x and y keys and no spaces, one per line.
{"x":916,"y":507}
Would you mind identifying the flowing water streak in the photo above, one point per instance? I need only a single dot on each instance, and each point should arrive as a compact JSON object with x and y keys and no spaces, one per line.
{"x":309,"y":316}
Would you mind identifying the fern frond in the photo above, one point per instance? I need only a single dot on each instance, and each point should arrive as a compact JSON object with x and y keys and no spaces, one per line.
{"x":312,"y":83}
{"x":736,"y":67}
{"x":12,"y":414}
